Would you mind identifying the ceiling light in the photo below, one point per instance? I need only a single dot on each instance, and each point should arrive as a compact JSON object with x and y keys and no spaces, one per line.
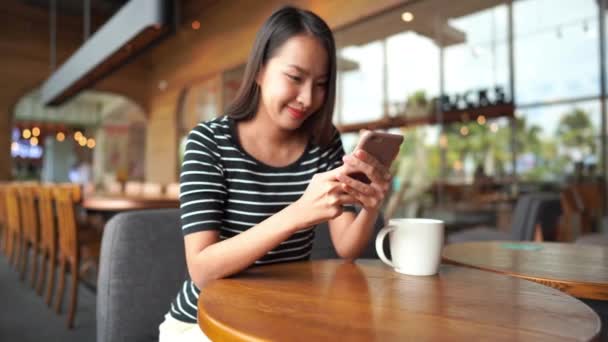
{"x":407,"y":17}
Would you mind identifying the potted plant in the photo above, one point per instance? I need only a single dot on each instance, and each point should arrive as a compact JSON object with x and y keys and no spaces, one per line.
{"x":417,"y":105}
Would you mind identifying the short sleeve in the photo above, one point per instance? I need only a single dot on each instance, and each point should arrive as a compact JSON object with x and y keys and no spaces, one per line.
{"x":334,"y":154}
{"x":202,"y":183}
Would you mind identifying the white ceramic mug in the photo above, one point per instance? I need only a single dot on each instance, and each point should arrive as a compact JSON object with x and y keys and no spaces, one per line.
{"x":415,"y":245}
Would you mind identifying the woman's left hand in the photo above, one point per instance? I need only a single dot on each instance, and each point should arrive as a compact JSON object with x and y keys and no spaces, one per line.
{"x":370,"y":195}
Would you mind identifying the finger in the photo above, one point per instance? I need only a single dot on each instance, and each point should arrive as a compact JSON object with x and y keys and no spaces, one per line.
{"x":363,"y":188}
{"x":346,"y":198}
{"x":363,"y":200}
{"x":332,"y":174}
{"x":369,"y":170}
{"x":374,"y":162}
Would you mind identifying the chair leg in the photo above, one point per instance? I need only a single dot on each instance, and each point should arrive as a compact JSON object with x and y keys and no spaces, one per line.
{"x":35,"y":260}
{"x":9,"y":248}
{"x":42,"y":274}
{"x":51,"y":281}
{"x":18,"y":244}
{"x":62,"y":263}
{"x":24,"y":258}
{"x":74,"y":296}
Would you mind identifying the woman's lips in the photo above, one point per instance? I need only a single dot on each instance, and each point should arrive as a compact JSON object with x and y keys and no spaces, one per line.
{"x":296,"y":114}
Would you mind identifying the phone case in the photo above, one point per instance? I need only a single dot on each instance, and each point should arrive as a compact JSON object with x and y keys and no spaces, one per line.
{"x":383,"y":146}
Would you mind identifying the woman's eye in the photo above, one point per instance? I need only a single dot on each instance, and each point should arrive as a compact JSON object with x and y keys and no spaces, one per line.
{"x":295,"y":78}
{"x":322,"y":85}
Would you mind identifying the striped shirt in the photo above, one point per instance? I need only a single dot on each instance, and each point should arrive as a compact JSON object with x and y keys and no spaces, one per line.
{"x":223,"y":188}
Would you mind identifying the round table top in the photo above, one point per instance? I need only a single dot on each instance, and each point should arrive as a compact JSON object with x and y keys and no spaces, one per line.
{"x":579,"y":270}
{"x":368,"y":301}
{"x":124,"y":203}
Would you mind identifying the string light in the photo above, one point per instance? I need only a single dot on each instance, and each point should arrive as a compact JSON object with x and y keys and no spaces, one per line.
{"x":77,"y":135}
{"x":34,"y":141}
{"x":196,"y":25}
{"x":60,"y":136}
{"x":494,"y":127}
{"x":36,"y":131}
{"x":26,"y":133}
{"x":91,"y":143}
{"x":481,"y":120}
{"x":464,"y":130}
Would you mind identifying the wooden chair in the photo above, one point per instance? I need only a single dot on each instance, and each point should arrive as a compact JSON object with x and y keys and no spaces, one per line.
{"x":590,"y":202}
{"x":13,"y":225}
{"x":133,"y":188}
{"x":172,"y":190}
{"x":572,"y":223}
{"x":3,"y":219}
{"x":151,"y":190}
{"x":31,"y":230}
{"x":73,"y":248}
{"x":48,"y":240}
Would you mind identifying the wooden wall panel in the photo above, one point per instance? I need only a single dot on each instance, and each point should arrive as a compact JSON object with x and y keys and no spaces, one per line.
{"x":25,"y":62}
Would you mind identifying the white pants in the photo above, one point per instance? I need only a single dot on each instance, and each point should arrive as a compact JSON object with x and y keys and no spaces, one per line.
{"x":172,"y":329}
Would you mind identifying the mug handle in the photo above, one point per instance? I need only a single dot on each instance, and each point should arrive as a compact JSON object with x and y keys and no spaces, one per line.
{"x":379,"y":244}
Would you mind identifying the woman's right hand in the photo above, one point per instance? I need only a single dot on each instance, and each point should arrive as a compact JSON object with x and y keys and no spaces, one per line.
{"x":323,"y":199}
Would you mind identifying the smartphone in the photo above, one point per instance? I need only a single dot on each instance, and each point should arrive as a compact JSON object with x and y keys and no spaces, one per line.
{"x":383,"y":146}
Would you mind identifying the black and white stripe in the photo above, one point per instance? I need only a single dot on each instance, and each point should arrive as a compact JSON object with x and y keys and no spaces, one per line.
{"x":223,"y":188}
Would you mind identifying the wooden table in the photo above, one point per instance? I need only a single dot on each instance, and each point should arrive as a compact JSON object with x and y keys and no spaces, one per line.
{"x":333,"y":300}
{"x":579,"y":270}
{"x":123,"y":203}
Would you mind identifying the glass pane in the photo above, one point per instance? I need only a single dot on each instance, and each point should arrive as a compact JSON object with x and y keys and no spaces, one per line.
{"x":556,"y":50}
{"x":478,"y":146}
{"x":556,"y":142}
{"x":480,"y":61}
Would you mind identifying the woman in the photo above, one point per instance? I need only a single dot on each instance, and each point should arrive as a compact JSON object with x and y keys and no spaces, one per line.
{"x":256,"y":181}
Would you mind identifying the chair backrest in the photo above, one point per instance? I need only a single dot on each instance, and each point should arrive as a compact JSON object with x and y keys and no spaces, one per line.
{"x":3,"y":213}
{"x":47,"y":218}
{"x":64,"y":197}
{"x":13,"y":218}
{"x":142,"y":266}
{"x":151,"y":190}
{"x":172,"y":190}
{"x":133,"y":188}
{"x":29,"y":214}
{"x":532,"y":209}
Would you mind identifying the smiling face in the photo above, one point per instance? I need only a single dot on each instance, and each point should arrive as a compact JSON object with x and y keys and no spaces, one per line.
{"x":293,"y":82}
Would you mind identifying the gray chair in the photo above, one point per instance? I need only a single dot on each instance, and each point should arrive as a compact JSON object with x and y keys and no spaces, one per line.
{"x":142,"y":266}
{"x":530,"y":209}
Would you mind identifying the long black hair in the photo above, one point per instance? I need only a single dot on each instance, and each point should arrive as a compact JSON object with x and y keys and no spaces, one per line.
{"x":283,"y":24}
